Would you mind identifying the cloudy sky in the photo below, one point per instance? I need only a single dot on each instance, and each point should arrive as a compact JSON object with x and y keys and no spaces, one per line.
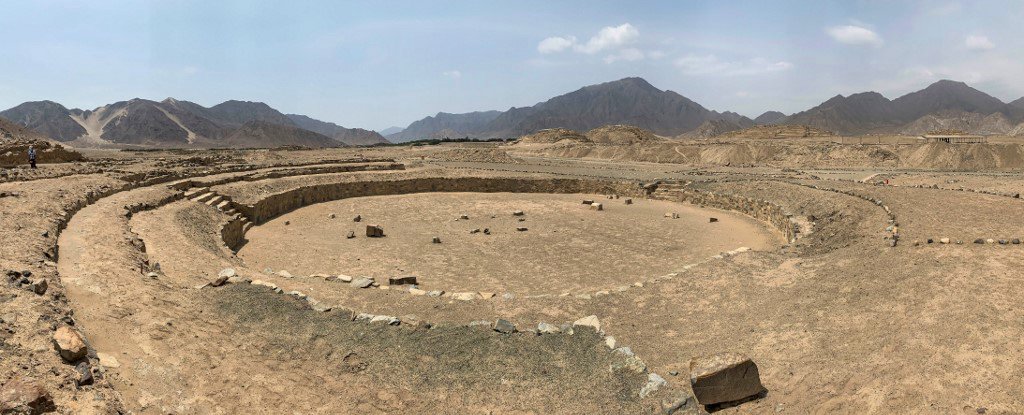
{"x":375,"y":64}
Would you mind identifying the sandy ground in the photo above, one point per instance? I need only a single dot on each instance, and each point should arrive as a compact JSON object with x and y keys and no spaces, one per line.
{"x":838,"y":322}
{"x":567,"y":246}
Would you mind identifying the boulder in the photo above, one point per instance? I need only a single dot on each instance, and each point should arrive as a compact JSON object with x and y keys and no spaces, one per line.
{"x":628,"y":201}
{"x":39,"y":286}
{"x":596,"y":206}
{"x":406,"y":280}
{"x":724,"y":377}
{"x":69,"y":344}
{"x":227,"y":273}
{"x":588,"y":321}
{"x":504,"y":326}
{"x":362,"y":282}
{"x":23,"y":395}
{"x":374,"y":231}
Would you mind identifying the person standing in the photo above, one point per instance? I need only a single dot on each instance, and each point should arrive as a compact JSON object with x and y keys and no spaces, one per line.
{"x":32,"y":156}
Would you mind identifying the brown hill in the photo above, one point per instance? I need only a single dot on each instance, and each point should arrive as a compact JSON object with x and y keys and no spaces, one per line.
{"x":968,"y":122}
{"x":261,"y":134}
{"x":712,"y":128}
{"x":348,"y":136}
{"x":628,"y":101}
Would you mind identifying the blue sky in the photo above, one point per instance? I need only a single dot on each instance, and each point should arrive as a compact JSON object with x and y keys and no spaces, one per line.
{"x":374,"y":64}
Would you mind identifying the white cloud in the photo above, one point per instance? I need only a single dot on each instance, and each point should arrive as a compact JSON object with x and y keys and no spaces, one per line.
{"x":628,"y":55}
{"x":453,"y":74}
{"x":978,"y":42}
{"x":854,"y":35}
{"x":556,"y":44}
{"x":712,"y":65}
{"x":610,"y":37}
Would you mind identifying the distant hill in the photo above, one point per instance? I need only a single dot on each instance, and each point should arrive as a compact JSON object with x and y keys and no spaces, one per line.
{"x":390,"y":130}
{"x":629,"y":101}
{"x":941,"y":102}
{"x":769,"y":117}
{"x":777,"y":131}
{"x":447,"y":125}
{"x":349,"y":136}
{"x":177,"y":123}
{"x":714,"y":128}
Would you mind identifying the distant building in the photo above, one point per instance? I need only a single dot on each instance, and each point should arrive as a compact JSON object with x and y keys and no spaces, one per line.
{"x":956,"y":139}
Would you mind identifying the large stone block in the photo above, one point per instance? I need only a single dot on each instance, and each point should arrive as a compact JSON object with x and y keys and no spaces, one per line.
{"x":374,"y":231}
{"x":724,"y":377}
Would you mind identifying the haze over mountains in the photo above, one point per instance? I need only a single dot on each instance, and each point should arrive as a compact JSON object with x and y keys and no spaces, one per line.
{"x":629,"y":101}
{"x":633,"y":101}
{"x":175,"y":123}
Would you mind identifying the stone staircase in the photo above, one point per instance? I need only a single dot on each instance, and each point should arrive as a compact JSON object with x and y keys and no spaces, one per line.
{"x":222,"y":203}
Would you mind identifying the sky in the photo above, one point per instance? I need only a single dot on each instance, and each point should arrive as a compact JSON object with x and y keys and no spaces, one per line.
{"x":377,"y":64}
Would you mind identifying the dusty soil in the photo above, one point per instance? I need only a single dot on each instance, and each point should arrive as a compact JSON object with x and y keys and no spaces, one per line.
{"x":837,"y":321}
{"x":567,"y":247}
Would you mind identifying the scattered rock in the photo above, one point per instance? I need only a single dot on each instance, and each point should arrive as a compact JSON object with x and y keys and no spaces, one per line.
{"x":672,"y":215}
{"x":23,"y":395}
{"x":518,"y":213}
{"x":331,"y":216}
{"x":344,"y":278}
{"x":504,"y":326}
{"x":152,"y":275}
{"x":350,"y":235}
{"x":596,"y":206}
{"x":654,"y":382}
{"x":990,"y":241}
{"x":588,"y":321}
{"x":464,"y":217}
{"x":287,"y":222}
{"x":1015,"y":241}
{"x":69,"y":344}
{"x":436,"y":240}
{"x":284,"y":274}
{"x":724,"y":377}
{"x":944,"y":241}
{"x":84,"y":373}
{"x":979,"y":241}
{"x":712,"y":220}
{"x":406,"y":280}
{"x":357,"y":219}
{"x":362,"y":282}
{"x":435,"y":293}
{"x":486,"y":295}
{"x":374,"y":231}
{"x":39,"y":286}
{"x":521,"y":229}
{"x":588,"y":202}
{"x":465,"y":296}
{"x":477,"y":230}
{"x":487,"y":231}
{"x":545,"y":328}
{"x":417,"y":291}
{"x":219,"y":281}
{"x":629,"y":201}
{"x":227,"y":273}
{"x":610,"y":342}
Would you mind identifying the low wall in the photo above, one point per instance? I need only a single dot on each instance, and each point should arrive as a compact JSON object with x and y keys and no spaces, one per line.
{"x":280,"y":203}
{"x":762,"y":210}
{"x":232,"y":233}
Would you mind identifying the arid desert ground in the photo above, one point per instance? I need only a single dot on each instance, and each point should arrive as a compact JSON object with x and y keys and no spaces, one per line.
{"x":800,"y":271}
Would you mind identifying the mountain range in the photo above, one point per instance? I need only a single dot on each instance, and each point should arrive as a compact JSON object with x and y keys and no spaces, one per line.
{"x":175,"y":123}
{"x":634,"y":101}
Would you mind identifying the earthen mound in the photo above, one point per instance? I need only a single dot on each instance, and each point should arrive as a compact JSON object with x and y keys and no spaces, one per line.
{"x":777,"y":131}
{"x":621,"y":135}
{"x":553,"y":135}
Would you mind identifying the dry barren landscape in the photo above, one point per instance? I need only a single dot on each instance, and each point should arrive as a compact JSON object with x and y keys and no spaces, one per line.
{"x":245,"y":281}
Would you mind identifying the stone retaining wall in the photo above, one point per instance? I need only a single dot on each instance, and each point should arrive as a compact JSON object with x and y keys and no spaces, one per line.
{"x":762,"y":210}
{"x":287,"y":201}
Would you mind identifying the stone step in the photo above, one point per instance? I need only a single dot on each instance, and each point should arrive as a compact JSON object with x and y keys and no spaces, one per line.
{"x":194,"y":192}
{"x":214,"y":200}
{"x":246,"y":227}
{"x":223,"y":204}
{"x":204,"y":197}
